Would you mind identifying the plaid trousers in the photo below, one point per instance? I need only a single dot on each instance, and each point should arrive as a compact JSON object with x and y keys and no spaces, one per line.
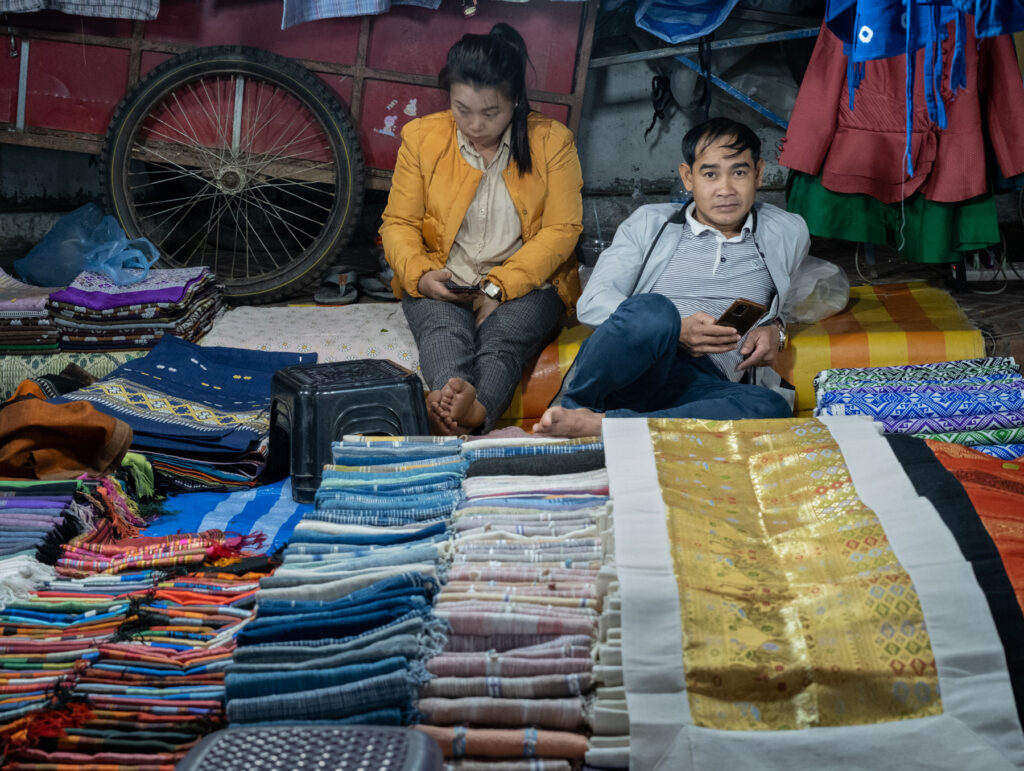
{"x":491,"y":357}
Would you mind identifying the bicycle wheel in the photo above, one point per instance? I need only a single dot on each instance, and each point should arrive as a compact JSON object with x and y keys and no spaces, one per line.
{"x":240,"y":160}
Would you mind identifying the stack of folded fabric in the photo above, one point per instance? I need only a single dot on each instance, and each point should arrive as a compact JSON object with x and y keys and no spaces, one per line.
{"x":35,"y":516}
{"x":513,"y":683}
{"x":95,"y":314}
{"x":974,"y":402}
{"x":343,"y":625}
{"x":25,"y":323}
{"x":200,"y":415}
{"x":134,"y":660}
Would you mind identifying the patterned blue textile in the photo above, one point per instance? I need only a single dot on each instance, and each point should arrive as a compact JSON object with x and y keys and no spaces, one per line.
{"x":1002,"y":451}
{"x":963,"y":372}
{"x":306,"y":538}
{"x":517,"y":451}
{"x":305,"y":548}
{"x":942,"y":424}
{"x":884,"y":402}
{"x":405,"y":584}
{"x":268,"y":509}
{"x":381,"y":453}
{"x":181,"y":396}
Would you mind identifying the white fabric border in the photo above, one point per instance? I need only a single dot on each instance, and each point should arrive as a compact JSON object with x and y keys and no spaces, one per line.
{"x":651,"y":630}
{"x":979,"y":728}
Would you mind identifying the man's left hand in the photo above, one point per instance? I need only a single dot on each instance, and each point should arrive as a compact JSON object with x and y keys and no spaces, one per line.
{"x":759,"y":348}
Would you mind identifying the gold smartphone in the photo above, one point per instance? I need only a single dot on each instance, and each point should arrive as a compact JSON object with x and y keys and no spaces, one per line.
{"x":742,"y":315}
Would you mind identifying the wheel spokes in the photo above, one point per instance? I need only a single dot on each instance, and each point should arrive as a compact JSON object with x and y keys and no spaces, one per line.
{"x":232,"y":172}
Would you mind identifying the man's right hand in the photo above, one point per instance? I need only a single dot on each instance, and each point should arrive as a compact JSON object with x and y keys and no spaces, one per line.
{"x":431,"y":284}
{"x":700,"y":335}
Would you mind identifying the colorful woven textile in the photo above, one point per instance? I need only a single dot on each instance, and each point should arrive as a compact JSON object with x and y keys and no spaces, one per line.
{"x":1013,"y":435}
{"x":996,"y":488}
{"x":884,"y":325}
{"x":924,"y":401}
{"x":966,"y":372}
{"x":953,"y":423}
{"x":194,"y":410}
{"x":95,"y":313}
{"x":976,"y":402}
{"x":25,"y":325}
{"x":14,"y":369}
{"x":725,"y":532}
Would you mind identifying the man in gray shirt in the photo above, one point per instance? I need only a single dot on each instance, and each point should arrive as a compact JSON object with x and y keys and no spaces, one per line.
{"x":657,"y":291}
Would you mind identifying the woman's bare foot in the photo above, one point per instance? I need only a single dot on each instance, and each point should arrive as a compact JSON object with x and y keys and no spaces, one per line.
{"x":459,"y":404}
{"x":437,"y":416}
{"x":560,"y":421}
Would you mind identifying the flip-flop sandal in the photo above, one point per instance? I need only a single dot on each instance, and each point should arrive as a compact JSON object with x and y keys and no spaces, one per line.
{"x":373,"y":286}
{"x":336,"y":287}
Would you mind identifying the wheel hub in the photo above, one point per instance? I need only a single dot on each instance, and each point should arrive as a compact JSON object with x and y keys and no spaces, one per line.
{"x":231,"y":180}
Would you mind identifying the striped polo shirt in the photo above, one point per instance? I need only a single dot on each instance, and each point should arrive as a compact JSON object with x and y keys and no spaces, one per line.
{"x":708,"y":272}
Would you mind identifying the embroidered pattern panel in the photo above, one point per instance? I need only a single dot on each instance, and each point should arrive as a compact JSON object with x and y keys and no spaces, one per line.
{"x":795,"y":611}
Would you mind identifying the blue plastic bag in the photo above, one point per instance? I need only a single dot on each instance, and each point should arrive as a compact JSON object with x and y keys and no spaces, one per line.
{"x":86,"y":240}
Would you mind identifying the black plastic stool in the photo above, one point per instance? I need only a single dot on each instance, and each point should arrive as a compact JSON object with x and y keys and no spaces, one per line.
{"x":316,"y":404}
{"x":314,"y":748}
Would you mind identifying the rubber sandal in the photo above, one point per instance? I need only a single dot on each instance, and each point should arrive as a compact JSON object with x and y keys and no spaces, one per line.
{"x":372,"y":286}
{"x":336,"y":287}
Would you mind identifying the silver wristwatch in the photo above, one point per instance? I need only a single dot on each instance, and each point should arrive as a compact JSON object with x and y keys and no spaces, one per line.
{"x":491,"y":290}
{"x":783,"y":337}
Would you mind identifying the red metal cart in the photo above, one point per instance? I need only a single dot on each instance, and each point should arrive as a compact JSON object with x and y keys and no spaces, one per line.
{"x":231,"y":143}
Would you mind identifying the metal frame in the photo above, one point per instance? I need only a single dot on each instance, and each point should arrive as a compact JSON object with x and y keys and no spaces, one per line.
{"x":136,"y":44}
{"x":681,"y":52}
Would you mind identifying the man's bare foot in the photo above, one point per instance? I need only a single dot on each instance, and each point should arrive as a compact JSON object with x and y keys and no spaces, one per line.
{"x":560,"y":421}
{"x":437,"y":416}
{"x":458,"y":400}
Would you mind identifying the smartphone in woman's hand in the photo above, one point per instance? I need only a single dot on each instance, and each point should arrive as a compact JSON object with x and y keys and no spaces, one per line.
{"x":455,"y":288}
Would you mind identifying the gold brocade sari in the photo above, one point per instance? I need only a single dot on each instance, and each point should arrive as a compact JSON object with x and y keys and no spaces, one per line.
{"x":795,"y":611}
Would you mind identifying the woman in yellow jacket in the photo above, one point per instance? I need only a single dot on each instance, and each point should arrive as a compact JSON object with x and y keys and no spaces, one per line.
{"x":481,"y":223}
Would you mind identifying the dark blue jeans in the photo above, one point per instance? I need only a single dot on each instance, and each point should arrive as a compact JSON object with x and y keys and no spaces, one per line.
{"x":633,"y":366}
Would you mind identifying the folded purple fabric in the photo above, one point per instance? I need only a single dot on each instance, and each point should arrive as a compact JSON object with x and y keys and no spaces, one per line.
{"x":96,"y":291}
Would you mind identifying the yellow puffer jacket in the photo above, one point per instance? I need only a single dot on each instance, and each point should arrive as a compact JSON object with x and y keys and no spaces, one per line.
{"x":433,"y":187}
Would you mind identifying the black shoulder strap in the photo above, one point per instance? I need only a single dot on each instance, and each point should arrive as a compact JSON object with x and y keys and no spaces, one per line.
{"x":676,"y":219}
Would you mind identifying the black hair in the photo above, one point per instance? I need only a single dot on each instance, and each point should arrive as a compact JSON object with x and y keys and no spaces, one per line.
{"x":495,"y":60}
{"x":743,"y":138}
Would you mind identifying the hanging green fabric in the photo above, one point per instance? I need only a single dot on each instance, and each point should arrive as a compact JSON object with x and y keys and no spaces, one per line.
{"x":921,"y":230}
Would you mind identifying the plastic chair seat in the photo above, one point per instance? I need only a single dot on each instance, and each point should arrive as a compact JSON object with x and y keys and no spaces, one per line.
{"x":314,"y":405}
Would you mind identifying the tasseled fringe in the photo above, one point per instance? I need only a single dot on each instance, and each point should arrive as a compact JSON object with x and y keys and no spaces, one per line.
{"x":123,"y":513}
{"x":49,"y":723}
{"x":49,"y":551}
{"x":22,"y":576}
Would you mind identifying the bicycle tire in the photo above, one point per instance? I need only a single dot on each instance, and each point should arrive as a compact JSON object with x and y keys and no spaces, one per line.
{"x":205,"y":135}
